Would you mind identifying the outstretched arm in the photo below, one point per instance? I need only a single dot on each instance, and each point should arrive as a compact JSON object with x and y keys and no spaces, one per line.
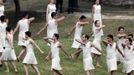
{"x":79,"y":41}
{"x":43,"y":28}
{"x":32,"y":41}
{"x":83,"y":23}
{"x":17,"y":27}
{"x":72,"y":30}
{"x":59,"y":19}
{"x":47,"y":39}
{"x":62,"y":48}
{"x":105,"y":42}
{"x":31,"y":19}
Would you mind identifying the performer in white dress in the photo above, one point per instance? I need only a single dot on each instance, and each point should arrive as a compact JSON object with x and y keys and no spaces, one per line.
{"x":96,"y":14}
{"x":52,"y":27}
{"x":2,"y":8}
{"x":55,"y":47}
{"x":23,"y":26}
{"x":50,"y":8}
{"x":78,"y":30}
{"x":121,"y":39}
{"x":128,"y":53}
{"x":97,"y":42}
{"x":3,"y":25}
{"x":111,"y":58}
{"x":30,"y":58}
{"x":87,"y":58}
{"x":77,"y":34}
{"x":8,"y":54}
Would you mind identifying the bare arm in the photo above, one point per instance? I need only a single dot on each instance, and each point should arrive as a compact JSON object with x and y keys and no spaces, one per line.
{"x":62,"y":48}
{"x":59,"y":19}
{"x":96,"y":48}
{"x":79,"y":41}
{"x":42,"y":29}
{"x":31,"y":19}
{"x":105,"y":42}
{"x":32,"y":41}
{"x":17,"y":27}
{"x":47,"y":39}
{"x":83,"y":23}
{"x":72,"y":30}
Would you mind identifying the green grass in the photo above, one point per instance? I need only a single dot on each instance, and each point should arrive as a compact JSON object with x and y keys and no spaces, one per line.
{"x":70,"y":67}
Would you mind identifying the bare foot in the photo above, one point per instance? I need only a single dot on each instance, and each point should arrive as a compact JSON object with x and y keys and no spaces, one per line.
{"x":16,"y":71}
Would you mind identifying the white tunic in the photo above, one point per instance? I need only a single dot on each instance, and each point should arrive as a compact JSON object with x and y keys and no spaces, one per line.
{"x":2,"y":35}
{"x":77,"y":35}
{"x":111,"y":57}
{"x":8,"y":53}
{"x":119,"y":44}
{"x":50,"y":8}
{"x":23,"y":27}
{"x":55,"y":56}
{"x":97,"y":41}
{"x":2,"y":9}
{"x":97,"y":16}
{"x":87,"y":58}
{"x":52,"y":28}
{"x":129,"y":62}
{"x":30,"y":56}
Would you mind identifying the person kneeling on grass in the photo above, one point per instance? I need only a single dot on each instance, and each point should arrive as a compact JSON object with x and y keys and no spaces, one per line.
{"x":55,"y":47}
{"x":30,"y":58}
{"x":86,"y":48}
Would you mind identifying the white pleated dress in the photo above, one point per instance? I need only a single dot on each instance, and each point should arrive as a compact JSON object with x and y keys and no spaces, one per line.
{"x":30,"y":56}
{"x":129,"y":62}
{"x":8,"y":53}
{"x":52,"y":28}
{"x":87,"y":58}
{"x":97,"y":16}
{"x":77,"y":35}
{"x":23,"y":27}
{"x":119,"y":44}
{"x":2,"y":9}
{"x":111,"y":57}
{"x":2,"y":35}
{"x":55,"y":56}
{"x":50,"y":8}
{"x":97,"y":41}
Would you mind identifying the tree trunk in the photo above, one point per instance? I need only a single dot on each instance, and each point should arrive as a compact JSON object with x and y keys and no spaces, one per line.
{"x":17,"y":6}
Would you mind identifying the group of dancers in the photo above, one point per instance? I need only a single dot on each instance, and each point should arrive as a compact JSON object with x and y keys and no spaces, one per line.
{"x":118,"y":52}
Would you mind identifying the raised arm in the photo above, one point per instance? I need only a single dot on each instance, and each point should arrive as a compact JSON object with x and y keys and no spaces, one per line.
{"x":61,"y":18}
{"x":45,"y":26}
{"x":83,"y":23}
{"x":32,"y":41}
{"x":62,"y":48}
{"x":47,"y":39}
{"x":31,"y":19}
{"x":105,"y":42}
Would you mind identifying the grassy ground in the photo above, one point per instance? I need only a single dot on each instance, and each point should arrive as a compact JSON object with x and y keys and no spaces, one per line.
{"x":70,"y":67}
